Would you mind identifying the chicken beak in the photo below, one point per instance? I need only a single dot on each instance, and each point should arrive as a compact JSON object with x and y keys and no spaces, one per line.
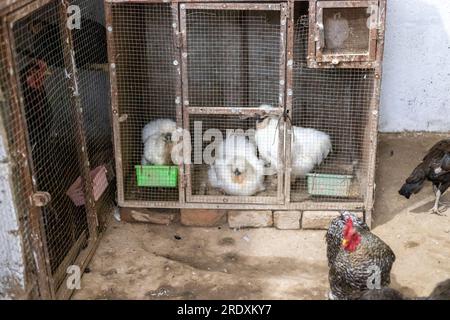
{"x":345,"y":242}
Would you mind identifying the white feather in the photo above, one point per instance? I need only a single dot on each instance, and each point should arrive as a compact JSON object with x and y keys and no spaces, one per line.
{"x":237,"y":154}
{"x":309,"y":147}
{"x":155,"y":144}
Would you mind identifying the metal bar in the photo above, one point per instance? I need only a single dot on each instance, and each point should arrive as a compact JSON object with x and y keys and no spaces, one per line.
{"x":138,"y":1}
{"x":289,"y":99}
{"x":187,"y":181}
{"x":319,"y":33}
{"x":61,"y":272}
{"x":311,"y":58}
{"x":83,"y":259}
{"x":73,"y":83}
{"x":114,"y":101}
{"x":346,"y":4}
{"x":233,"y":6}
{"x":192,"y":1}
{"x":234,"y":111}
{"x":27,"y":10}
{"x":179,"y":91}
{"x":306,"y":205}
{"x":37,"y":232}
{"x":282,"y":101}
{"x":235,"y":199}
{"x":9,"y":6}
{"x":374,"y":115}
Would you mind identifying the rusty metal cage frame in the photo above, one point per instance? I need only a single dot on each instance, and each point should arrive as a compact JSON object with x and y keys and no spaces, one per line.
{"x":187,"y":110}
{"x":41,"y":281}
{"x":283,"y":202}
{"x":13,"y":10}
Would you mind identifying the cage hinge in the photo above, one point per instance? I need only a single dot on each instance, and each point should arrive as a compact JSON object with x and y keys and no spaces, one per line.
{"x":40,"y":199}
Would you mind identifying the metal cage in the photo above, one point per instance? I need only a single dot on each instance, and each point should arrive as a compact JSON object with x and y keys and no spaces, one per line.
{"x":205,"y":67}
{"x":57,"y":116}
{"x":211,"y":64}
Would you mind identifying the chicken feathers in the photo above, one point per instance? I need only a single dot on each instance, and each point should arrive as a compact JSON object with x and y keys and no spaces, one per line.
{"x":435,"y":167}
{"x":309,"y":146}
{"x":157,"y":140}
{"x":351,"y":272}
{"x":236,"y":169}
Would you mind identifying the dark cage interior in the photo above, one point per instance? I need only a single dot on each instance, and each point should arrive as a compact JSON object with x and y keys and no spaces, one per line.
{"x":346,"y":30}
{"x":61,"y":117}
{"x":233,"y":58}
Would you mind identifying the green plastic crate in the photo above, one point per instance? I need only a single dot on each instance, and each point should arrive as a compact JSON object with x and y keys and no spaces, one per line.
{"x":157,"y":176}
{"x":331,"y":185}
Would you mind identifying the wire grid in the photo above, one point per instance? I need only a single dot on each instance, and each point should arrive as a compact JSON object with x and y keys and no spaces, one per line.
{"x":346,"y":30}
{"x":91,"y":55}
{"x":238,"y":174}
{"x":51,"y":128}
{"x":233,"y":58}
{"x":336,"y":102}
{"x":146,"y":81}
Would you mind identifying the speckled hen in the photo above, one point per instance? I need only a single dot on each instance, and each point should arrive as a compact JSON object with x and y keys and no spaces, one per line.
{"x":358,"y":259}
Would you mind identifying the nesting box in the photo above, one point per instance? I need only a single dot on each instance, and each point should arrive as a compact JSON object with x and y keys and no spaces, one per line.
{"x":210,"y":66}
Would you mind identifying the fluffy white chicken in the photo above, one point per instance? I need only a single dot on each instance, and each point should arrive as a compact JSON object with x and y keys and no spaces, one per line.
{"x":309,"y":147}
{"x":157,"y":139}
{"x":236,"y":169}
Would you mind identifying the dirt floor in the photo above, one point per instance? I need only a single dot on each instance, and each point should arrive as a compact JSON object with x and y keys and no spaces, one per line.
{"x":142,"y":261}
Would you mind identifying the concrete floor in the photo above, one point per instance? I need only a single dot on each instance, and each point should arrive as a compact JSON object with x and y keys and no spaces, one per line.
{"x":141,"y":261}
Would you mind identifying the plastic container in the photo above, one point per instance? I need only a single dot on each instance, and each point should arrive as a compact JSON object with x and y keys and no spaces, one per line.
{"x":331,"y":185}
{"x":157,"y":176}
{"x":99,"y":185}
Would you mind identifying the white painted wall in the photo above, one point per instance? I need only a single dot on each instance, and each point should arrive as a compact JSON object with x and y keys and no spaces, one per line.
{"x":12,"y":267}
{"x":416,"y":80}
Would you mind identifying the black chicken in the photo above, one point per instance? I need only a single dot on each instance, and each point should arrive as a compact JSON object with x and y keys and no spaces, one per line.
{"x":358,"y":259}
{"x":435,"y":167}
{"x":89,"y":43}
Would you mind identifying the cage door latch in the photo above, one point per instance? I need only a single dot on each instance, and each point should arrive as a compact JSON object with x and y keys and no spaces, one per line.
{"x":40,"y":199}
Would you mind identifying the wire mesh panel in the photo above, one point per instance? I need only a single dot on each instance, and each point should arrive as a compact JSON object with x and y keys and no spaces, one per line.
{"x":52,"y":134}
{"x":91,"y":55}
{"x":226,"y":167}
{"x":330,"y":117}
{"x":233,"y":64}
{"x":58,"y":129}
{"x":21,"y":188}
{"x":233,"y":57}
{"x":145,"y":75}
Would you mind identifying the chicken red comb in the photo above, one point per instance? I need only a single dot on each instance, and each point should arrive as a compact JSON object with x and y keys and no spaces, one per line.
{"x":348,"y":226}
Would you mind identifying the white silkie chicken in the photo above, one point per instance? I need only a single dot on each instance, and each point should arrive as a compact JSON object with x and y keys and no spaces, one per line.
{"x":236,"y":169}
{"x":157,"y":139}
{"x":309,"y":147}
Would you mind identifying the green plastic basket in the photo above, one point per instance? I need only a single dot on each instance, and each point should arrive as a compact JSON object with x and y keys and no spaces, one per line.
{"x":332,"y":185}
{"x":157,"y":176}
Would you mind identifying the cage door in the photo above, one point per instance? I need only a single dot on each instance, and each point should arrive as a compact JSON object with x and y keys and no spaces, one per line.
{"x":48,"y":117}
{"x":343,"y":33}
{"x":233,"y":62}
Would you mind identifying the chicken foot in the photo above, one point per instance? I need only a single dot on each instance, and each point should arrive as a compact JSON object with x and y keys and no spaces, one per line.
{"x":436,"y":209}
